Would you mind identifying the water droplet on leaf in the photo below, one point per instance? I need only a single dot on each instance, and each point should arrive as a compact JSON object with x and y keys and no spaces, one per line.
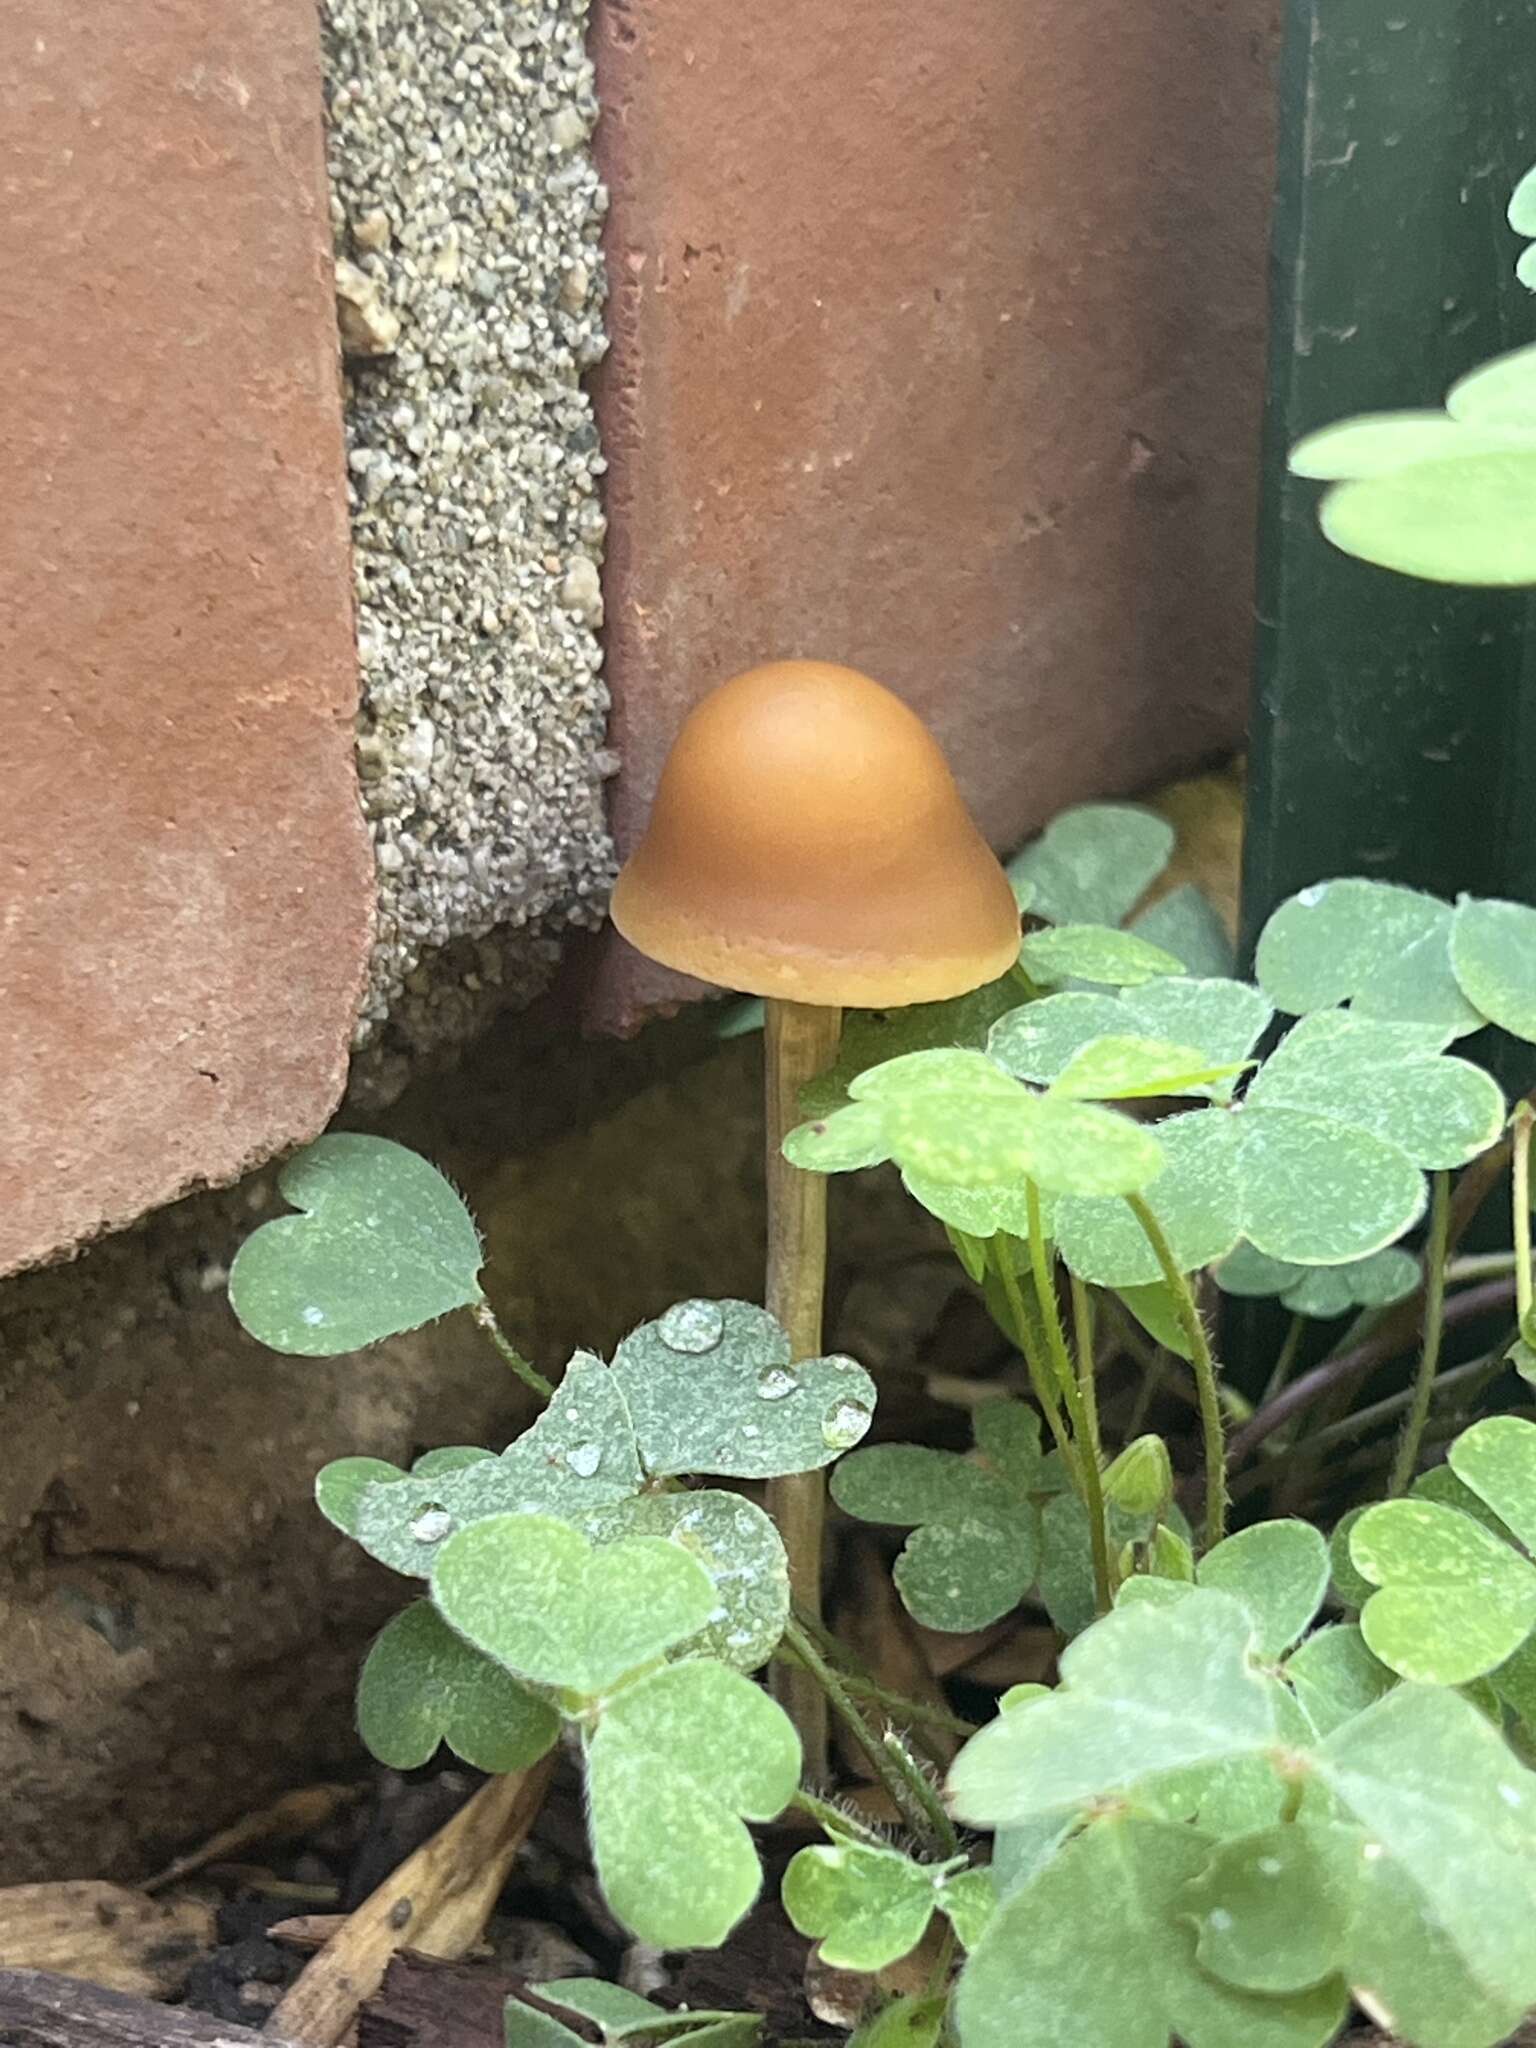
{"x":584,"y":1459}
{"x":774,"y":1382}
{"x":313,"y":1315}
{"x":432,"y":1525}
{"x":692,"y":1326}
{"x":844,"y":1424}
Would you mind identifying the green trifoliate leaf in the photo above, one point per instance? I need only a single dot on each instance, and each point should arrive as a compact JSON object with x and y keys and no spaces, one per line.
{"x":1092,"y":1951}
{"x":1156,"y":1309}
{"x":1384,"y":948}
{"x":1441,"y":1949}
{"x":1454,"y":1601}
{"x":740,"y":1549}
{"x":1441,"y":1485}
{"x":1274,"y":1910}
{"x":871,"y":1037}
{"x":534,"y":1594}
{"x":422,"y":1685}
{"x":1117,"y":1069}
{"x":1376,"y":443}
{"x":1321,"y":1291}
{"x":977,"y":1212}
{"x":340,"y":1486}
{"x":1065,"y":1578}
{"x":1145,"y":1691}
{"x":955,"y":1119}
{"x":1320,"y":1192}
{"x":709,"y":1388}
{"x":1391,"y":1080}
{"x":1496,"y":1458}
{"x":579,"y":1455}
{"x":1493,"y":950}
{"x":839,"y":1141}
{"x":866,"y":1907}
{"x":1335,"y":1675}
{"x":1279,"y":1573}
{"x":679,"y":1760}
{"x":1096,"y":953}
{"x":1185,"y":924}
{"x":1464,"y":519}
{"x":1094,"y":863}
{"x":384,"y":1244}
{"x":975,"y":1543}
{"x":1223,"y":1019}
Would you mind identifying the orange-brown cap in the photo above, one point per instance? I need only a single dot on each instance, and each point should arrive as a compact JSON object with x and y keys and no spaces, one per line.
{"x":808,"y":842}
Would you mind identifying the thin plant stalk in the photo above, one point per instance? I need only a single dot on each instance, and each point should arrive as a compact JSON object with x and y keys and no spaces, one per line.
{"x":1285,"y":1363}
{"x":530,"y":1376}
{"x":1089,"y":1483}
{"x":1087,"y":1357}
{"x":1407,"y":1458}
{"x":1521,"y":1123}
{"x":1203,"y":1364}
{"x":800,"y":1039}
{"x":1041,"y":1379}
{"x":894,"y":1770}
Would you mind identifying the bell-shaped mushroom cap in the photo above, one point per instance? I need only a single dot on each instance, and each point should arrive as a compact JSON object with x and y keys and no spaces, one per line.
{"x":808,"y":842}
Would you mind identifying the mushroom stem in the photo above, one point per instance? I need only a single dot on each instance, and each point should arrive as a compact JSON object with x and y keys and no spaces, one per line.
{"x":800,"y":1040}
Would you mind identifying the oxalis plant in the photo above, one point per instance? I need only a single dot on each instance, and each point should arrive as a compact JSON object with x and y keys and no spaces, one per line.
{"x":1284,"y":1768}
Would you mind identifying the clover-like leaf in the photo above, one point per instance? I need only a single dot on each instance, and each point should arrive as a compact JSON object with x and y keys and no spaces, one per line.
{"x":535,"y":1595}
{"x":1222,"y":1019}
{"x":1118,"y":1069}
{"x":1278,"y":1571}
{"x":1462,"y":519}
{"x":740,"y":1549}
{"x":1500,"y":393}
{"x":710,"y":1388}
{"x":870,"y":1037}
{"x":1352,"y":1590}
{"x":1453,"y":1601}
{"x":422,"y":1685}
{"x":1496,"y":1458}
{"x":1197,"y":1198}
{"x":1335,"y":1675}
{"x":1441,"y":1949}
{"x":580,"y":1454}
{"x":1065,"y":1578}
{"x":1096,"y":953}
{"x":679,"y":1759}
{"x":1186,"y":924}
{"x":954,"y":1119}
{"x":1376,"y":1281}
{"x":1093,"y":863}
{"x":1145,"y":1691}
{"x":620,"y":2016}
{"x":865,"y":1907}
{"x":1391,"y":1080}
{"x":383,"y":1244}
{"x":1493,"y":950}
{"x":975,"y":1546}
{"x":1061,"y":1964}
{"x":1274,"y":1910}
{"x":1383,"y":948}
{"x":1372,"y":444}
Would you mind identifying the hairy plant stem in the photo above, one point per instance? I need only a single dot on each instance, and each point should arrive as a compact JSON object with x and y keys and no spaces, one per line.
{"x":530,"y":1376}
{"x":799,"y":1040}
{"x":895,"y":1772}
{"x":858,"y":1681}
{"x":1090,"y":1485}
{"x":1408,"y":1443}
{"x":832,"y":1818}
{"x":1030,"y":1341}
{"x":1520,"y":1140}
{"x":1202,"y":1363}
{"x":1087,"y":1357}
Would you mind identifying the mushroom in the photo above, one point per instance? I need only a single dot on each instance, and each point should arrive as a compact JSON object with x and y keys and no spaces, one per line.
{"x":807,"y":844}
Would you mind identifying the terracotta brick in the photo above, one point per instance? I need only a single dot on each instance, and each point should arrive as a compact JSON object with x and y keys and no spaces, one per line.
{"x":184,"y":879}
{"x":938,"y":342}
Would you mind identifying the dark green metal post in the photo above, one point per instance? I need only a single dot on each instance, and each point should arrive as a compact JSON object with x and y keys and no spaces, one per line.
{"x":1391,"y":733}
